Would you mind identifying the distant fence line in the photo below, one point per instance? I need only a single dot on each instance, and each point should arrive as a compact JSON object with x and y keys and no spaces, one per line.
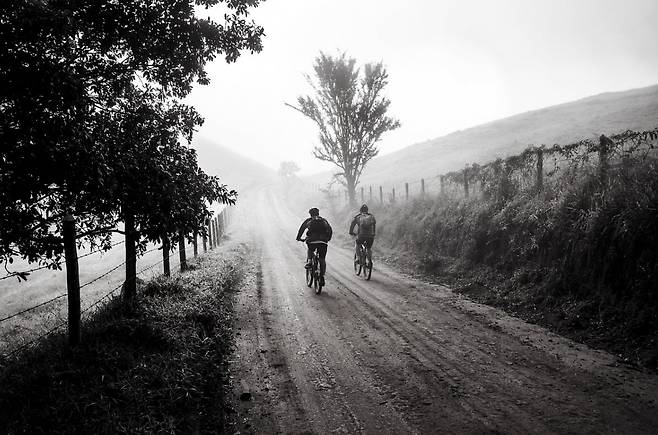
{"x":529,"y":170}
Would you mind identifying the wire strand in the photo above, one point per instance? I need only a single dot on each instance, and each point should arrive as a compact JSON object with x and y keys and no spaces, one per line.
{"x":32,"y":308}
{"x":13,"y":274}
{"x":39,"y":338}
{"x":100,"y":250}
{"x":112,"y":270}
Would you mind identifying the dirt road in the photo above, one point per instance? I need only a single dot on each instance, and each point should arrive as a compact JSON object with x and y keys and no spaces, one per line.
{"x":396,"y":355}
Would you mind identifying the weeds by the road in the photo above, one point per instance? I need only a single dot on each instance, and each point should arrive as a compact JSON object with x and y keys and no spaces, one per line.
{"x":580,"y":257}
{"x":158,"y":366}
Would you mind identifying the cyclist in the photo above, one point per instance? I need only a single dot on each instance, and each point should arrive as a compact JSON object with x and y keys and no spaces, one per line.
{"x":366,"y":232}
{"x":318,"y":234}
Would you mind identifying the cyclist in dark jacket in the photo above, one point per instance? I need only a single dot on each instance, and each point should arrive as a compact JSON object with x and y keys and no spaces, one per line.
{"x":365,"y":234}
{"x":318,"y":234}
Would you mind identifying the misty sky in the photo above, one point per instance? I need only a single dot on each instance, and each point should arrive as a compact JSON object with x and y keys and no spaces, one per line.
{"x":452,"y":65}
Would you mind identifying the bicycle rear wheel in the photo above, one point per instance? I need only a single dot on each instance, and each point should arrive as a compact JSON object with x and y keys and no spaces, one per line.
{"x":368,"y":270}
{"x":357,"y":265}
{"x":318,"y":283}
{"x":309,"y":277}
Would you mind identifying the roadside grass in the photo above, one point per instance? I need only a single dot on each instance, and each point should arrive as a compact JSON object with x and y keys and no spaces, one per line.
{"x":579,"y":257}
{"x":157,"y":366}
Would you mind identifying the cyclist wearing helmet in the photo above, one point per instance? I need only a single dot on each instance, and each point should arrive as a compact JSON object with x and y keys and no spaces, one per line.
{"x":318,"y":234}
{"x":366,"y":230}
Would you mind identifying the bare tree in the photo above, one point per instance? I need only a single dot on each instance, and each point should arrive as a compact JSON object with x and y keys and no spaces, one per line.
{"x":350,"y":110}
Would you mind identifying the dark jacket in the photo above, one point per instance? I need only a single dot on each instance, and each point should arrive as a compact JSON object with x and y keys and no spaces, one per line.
{"x":317,"y":231}
{"x":363,"y":231}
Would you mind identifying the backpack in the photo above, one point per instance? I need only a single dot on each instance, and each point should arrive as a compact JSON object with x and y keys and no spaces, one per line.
{"x":319,"y":227}
{"x":367,"y":224}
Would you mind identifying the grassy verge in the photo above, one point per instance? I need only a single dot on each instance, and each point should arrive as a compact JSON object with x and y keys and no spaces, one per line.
{"x":580,"y":257}
{"x":158,"y":366}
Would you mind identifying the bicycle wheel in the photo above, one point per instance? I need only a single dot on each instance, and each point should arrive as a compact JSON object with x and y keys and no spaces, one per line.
{"x":309,"y":277}
{"x":368,"y":270}
{"x":367,"y":259}
{"x":357,"y":265}
{"x":318,"y":283}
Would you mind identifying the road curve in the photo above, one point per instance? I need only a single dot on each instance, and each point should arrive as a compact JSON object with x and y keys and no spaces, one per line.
{"x":396,"y":355}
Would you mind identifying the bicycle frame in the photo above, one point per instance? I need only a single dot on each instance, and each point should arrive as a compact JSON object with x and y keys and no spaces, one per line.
{"x":313,"y":274}
{"x":363,"y":260}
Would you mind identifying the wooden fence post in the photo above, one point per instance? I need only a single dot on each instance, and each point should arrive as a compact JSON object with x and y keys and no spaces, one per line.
{"x":166,"y":248}
{"x":72,"y":280}
{"x":406,"y":191}
{"x":181,"y":251}
{"x":381,"y":195}
{"x":363,"y":198}
{"x":422,"y":187}
{"x":393,"y":198}
{"x":465,"y":182}
{"x":540,"y":169}
{"x":442,"y":181}
{"x":370,"y":194}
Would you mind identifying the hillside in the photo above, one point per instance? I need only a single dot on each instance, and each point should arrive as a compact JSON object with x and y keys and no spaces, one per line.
{"x":611,"y":112}
{"x":234,"y":170}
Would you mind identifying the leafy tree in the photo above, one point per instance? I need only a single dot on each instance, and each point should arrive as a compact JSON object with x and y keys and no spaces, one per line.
{"x":66,"y":66}
{"x":349,"y":109}
{"x":156,"y":183}
{"x":288,"y":170}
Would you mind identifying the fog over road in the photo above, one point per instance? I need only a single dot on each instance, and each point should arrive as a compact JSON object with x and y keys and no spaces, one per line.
{"x":397,"y":355}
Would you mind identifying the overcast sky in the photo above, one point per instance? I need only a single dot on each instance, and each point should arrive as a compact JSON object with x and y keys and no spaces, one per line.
{"x":452,"y":65}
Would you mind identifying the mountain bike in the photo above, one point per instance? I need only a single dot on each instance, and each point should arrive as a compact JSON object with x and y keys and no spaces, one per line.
{"x":363,"y":261}
{"x":313,"y":278}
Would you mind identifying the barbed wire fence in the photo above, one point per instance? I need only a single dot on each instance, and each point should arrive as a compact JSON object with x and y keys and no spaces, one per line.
{"x":215,"y":229}
{"x":532,"y":169}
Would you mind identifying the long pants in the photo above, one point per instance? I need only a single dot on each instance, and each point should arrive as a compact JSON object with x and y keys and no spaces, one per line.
{"x":322,"y":253}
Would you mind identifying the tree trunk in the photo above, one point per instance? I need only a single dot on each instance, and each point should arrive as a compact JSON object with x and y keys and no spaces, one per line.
{"x":181,"y":251}
{"x":72,"y":279}
{"x":130,"y":285}
{"x":166,"y":247}
{"x":351,"y":189}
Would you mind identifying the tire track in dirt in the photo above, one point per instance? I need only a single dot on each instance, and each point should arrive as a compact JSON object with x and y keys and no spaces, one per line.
{"x":314,"y":360}
{"x":395,"y":355}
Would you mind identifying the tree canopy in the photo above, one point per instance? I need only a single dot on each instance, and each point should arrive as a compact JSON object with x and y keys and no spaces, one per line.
{"x":350,"y":110}
{"x":90,"y":117}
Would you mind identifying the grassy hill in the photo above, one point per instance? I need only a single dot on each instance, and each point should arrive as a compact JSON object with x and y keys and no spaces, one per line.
{"x":611,"y":112}
{"x":234,"y":170}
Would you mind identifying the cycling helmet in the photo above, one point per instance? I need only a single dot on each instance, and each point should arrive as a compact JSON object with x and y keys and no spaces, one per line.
{"x":364,"y":209}
{"x":314,"y":211}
